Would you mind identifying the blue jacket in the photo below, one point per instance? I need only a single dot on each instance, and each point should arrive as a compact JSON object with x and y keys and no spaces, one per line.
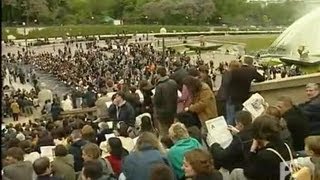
{"x":177,"y":151}
{"x":138,"y":165}
{"x":312,"y":110}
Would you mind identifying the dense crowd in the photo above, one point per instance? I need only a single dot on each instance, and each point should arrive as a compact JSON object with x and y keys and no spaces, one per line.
{"x":153,"y":124}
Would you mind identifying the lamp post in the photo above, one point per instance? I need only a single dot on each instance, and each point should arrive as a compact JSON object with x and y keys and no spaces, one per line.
{"x":25,"y":35}
{"x":163,"y":31}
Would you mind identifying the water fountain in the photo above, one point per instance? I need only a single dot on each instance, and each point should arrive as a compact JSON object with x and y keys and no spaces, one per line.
{"x":300,"y":43}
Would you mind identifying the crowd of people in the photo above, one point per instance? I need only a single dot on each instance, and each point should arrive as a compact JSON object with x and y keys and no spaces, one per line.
{"x":153,"y":124}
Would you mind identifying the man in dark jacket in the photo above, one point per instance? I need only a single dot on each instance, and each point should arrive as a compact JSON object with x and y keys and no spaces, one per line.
{"x":297,"y":122}
{"x":312,"y":108}
{"x":76,"y":149}
{"x":239,"y":86}
{"x":179,"y":74}
{"x":165,"y":100}
{"x":90,"y":97}
{"x":121,"y":110}
{"x":233,"y":156}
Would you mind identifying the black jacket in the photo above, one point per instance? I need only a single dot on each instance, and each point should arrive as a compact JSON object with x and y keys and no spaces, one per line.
{"x":240,"y":83}
{"x":234,"y":155}
{"x":76,"y":151}
{"x":165,"y":98}
{"x":265,"y":164}
{"x":178,"y":76}
{"x":312,"y":110}
{"x":298,"y":125}
{"x":214,"y":176}
{"x":126,"y":113}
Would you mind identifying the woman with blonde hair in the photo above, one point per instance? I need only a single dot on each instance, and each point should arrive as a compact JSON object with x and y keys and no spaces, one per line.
{"x":198,"y":165}
{"x":182,"y":144}
{"x":312,"y":148}
{"x":148,"y":152}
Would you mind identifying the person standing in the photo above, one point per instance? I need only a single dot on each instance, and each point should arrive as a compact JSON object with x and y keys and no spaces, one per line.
{"x":15,"y":108}
{"x":311,"y":108}
{"x":239,"y":86}
{"x":165,"y":100}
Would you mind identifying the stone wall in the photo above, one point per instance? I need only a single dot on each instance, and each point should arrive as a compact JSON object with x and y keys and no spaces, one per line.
{"x":293,"y":87}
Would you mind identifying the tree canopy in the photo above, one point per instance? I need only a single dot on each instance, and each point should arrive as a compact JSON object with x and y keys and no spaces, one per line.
{"x":176,"y":12}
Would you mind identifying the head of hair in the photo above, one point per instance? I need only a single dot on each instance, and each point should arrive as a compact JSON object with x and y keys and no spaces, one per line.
{"x":193,"y":84}
{"x":286,"y":100}
{"x":177,"y":63}
{"x":194,"y":72}
{"x":41,"y":165}
{"x":204,"y":69}
{"x":200,"y":161}
{"x":178,"y":131}
{"x":161,"y":71}
{"x":92,"y":169}
{"x":115,"y":146}
{"x":13,"y":142}
{"x":26,"y":146}
{"x":147,"y":139}
{"x":195,"y":132}
{"x":16,"y":153}
{"x":146,"y":124}
{"x":312,"y":144}
{"x":266,"y":127}
{"x":76,"y":134}
{"x":121,"y":94}
{"x":313,"y":86}
{"x":161,"y":172}
{"x":60,"y":150}
{"x":123,"y":129}
{"x":234,"y":64}
{"x":248,"y":60}
{"x":273,"y":111}
{"x":92,"y":150}
{"x":167,"y":141}
{"x":244,"y":117}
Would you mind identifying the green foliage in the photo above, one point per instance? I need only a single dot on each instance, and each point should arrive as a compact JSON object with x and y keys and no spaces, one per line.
{"x":174,"y":12}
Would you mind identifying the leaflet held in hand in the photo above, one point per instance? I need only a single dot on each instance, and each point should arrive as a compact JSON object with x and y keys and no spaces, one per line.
{"x":218,"y":132}
{"x":255,"y":105}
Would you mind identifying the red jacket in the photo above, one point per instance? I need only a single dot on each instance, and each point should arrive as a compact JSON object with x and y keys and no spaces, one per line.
{"x":115,"y":164}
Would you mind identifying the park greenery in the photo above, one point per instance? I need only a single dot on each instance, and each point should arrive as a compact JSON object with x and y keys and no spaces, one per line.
{"x":161,"y":12}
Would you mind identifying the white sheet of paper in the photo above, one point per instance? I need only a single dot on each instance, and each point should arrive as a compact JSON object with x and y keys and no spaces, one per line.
{"x":110,"y":124}
{"x":218,"y":132}
{"x":254,"y":105}
{"x":109,"y":136}
{"x":47,"y":151}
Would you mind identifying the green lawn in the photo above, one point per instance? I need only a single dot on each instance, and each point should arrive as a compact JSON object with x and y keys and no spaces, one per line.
{"x":253,"y":42}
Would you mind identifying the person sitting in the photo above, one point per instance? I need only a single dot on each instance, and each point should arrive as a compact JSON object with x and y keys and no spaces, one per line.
{"x":311,"y":108}
{"x":161,"y":172}
{"x":120,"y":110}
{"x":117,"y":154}
{"x":182,"y":144}
{"x":148,"y":152}
{"x":92,"y":170}
{"x":296,"y":121}
{"x":234,"y":155}
{"x":90,"y":152}
{"x":312,"y":149}
{"x":76,"y":149}
{"x":30,"y":154}
{"x":198,"y":165}
{"x":42,"y":168}
{"x":17,"y":168}
{"x":263,"y":162}
{"x":63,"y":163}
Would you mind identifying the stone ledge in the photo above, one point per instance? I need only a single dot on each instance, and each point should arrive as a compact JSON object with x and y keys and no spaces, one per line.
{"x":289,"y":82}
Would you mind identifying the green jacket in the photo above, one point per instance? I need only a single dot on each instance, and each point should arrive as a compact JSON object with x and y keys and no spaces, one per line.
{"x":177,"y":151}
{"x":64,"y":167}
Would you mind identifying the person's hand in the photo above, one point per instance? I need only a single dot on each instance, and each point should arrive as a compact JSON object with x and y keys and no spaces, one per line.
{"x":233,"y":129}
{"x":254,"y":146}
{"x":186,"y":109}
